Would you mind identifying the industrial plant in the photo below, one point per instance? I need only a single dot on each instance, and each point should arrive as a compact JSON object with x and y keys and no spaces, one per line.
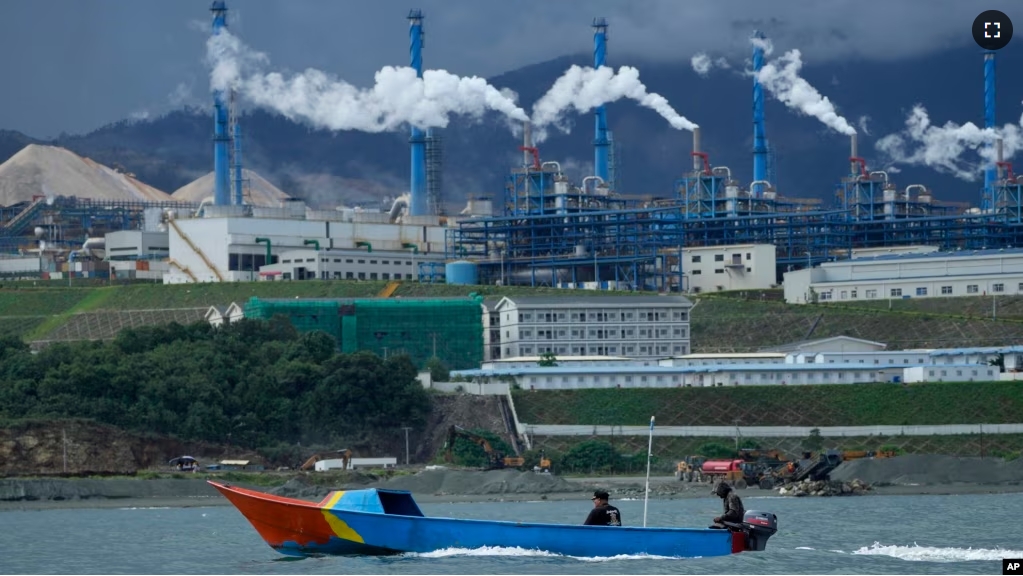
{"x":542,"y":229}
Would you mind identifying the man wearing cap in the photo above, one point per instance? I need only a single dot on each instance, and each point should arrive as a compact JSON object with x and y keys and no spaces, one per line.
{"x":603,"y":514}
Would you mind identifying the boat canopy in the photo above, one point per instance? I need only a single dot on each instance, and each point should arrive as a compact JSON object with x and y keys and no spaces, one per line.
{"x":374,"y":501}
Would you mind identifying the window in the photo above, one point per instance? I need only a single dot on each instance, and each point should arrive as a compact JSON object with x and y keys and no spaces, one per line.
{"x":695,"y":272}
{"x":844,"y":295}
{"x":719,"y":271}
{"x":826,"y":295}
{"x":362,"y":261}
{"x":719,"y":257}
{"x":998,"y":287}
{"x":385,"y":262}
{"x":971,"y":289}
{"x":372,"y":261}
{"x":871,"y":293}
{"x":852,"y":294}
{"x":946,"y":290}
{"x":896,"y":292}
{"x":696,"y":259}
{"x":921,"y":291}
{"x":749,"y":256}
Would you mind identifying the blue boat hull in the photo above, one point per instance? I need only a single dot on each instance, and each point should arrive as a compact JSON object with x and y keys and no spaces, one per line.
{"x":379,"y":522}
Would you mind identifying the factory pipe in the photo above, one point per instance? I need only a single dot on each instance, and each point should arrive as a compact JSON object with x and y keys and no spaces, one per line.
{"x":923,"y":189}
{"x":696,"y":149}
{"x":315,"y":243}
{"x":238,"y":195}
{"x":601,"y":144}
{"x":269,"y":249}
{"x":418,"y":205}
{"x":589,"y":178}
{"x":551,"y":163}
{"x":728,"y":173}
{"x":759,"y":137}
{"x":369,"y":247}
{"x":990,"y":172}
{"x":766,"y":184}
{"x":221,"y":139}
{"x":527,"y":142}
{"x":882,"y":173}
{"x":854,"y":152}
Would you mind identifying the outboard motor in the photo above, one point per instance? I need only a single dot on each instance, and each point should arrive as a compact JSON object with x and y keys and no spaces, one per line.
{"x":759,"y":526}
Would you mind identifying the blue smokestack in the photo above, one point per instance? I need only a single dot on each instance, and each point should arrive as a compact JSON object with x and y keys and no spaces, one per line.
{"x":990,"y":173}
{"x":601,"y":145}
{"x":418,"y":205}
{"x":221,"y":169}
{"x":237,"y":163}
{"x":759,"y":138}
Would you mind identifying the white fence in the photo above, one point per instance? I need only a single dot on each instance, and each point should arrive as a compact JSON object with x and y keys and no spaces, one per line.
{"x":770,"y":431}
{"x":478,"y":388}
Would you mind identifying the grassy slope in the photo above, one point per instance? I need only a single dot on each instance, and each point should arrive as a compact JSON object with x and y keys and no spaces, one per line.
{"x":859,"y":405}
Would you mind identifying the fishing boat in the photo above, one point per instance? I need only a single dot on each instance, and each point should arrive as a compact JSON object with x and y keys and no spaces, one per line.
{"x":378,"y":522}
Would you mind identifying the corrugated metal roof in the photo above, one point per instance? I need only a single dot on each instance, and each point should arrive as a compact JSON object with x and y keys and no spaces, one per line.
{"x":795,"y":346}
{"x":986,"y":350}
{"x":667,"y":370}
{"x":933,"y":256}
{"x":579,"y":301}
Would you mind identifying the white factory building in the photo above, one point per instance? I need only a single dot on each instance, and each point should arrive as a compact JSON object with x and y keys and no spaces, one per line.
{"x":760,"y":368}
{"x":909,"y":275}
{"x":734,"y":267}
{"x":627,"y":325}
{"x":355,"y":245}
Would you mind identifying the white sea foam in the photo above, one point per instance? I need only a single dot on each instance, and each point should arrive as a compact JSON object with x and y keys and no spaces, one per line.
{"x":916,"y":553}
{"x":516,"y":551}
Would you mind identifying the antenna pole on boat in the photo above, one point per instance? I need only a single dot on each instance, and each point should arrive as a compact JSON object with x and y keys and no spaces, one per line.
{"x":649,"y":456}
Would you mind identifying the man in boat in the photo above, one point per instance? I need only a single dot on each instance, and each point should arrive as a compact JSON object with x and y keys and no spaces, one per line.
{"x":603,"y":514}
{"x":734,"y":510}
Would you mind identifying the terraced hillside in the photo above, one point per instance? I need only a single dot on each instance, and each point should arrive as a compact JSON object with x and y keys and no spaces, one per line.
{"x":826,"y":405}
{"x":720,"y":322}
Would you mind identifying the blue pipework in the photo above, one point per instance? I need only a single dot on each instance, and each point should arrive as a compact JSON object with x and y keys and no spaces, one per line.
{"x":221,"y":139}
{"x":418,"y":202}
{"x":601,"y":142}
{"x":990,"y":171}
{"x":759,"y":137}
{"x":238,"y":195}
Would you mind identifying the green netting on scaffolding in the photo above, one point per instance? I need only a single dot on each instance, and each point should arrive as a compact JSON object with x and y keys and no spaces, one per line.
{"x":451,"y":329}
{"x":305,"y":315}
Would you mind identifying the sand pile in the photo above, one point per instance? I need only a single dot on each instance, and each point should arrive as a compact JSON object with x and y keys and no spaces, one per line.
{"x":924,"y":469}
{"x":258,"y":191}
{"x":50,"y":171}
{"x":465,"y":482}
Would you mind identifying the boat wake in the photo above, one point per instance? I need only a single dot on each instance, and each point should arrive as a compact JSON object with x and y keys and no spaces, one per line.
{"x":515,"y":551}
{"x":917,"y":553}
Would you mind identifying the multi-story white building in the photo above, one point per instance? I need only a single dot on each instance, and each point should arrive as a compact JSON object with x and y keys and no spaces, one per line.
{"x":491,"y":330}
{"x":933,"y":275}
{"x":735,"y":267}
{"x":232,"y":248}
{"x":628,"y":326}
{"x":313,"y":264}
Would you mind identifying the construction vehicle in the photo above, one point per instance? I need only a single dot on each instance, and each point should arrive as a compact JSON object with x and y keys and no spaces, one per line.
{"x":857,"y":454}
{"x":545,"y":463}
{"x":689,"y":469}
{"x":345,"y":455}
{"x":813,"y":467}
{"x":724,"y":470}
{"x":496,"y":460}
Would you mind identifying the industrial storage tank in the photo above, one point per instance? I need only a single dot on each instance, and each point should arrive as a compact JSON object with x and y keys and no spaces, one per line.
{"x":462,"y":272}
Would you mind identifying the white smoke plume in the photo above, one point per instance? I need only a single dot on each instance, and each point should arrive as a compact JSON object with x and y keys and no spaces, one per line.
{"x":397,"y":98}
{"x":702,"y":63}
{"x":781,"y":78}
{"x":764,"y":44}
{"x":585,"y":88}
{"x":941,"y":147}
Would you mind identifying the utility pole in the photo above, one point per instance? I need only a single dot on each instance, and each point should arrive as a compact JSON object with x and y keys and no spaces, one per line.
{"x":63,"y":432}
{"x":406,"y":429}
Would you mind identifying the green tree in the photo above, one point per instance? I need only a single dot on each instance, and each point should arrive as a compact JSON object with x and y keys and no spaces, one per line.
{"x":547,"y":360}
{"x":466,"y":452}
{"x":439,"y":371}
{"x":814,"y":442}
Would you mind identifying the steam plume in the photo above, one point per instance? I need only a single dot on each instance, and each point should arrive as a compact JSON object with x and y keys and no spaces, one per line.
{"x":702,"y":63}
{"x":781,"y":78}
{"x":585,"y":88}
{"x":397,"y":98}
{"x":940,"y":147}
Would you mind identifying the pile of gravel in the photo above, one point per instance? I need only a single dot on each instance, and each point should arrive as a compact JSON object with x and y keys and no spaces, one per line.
{"x":925,"y":469}
{"x":464,"y":483}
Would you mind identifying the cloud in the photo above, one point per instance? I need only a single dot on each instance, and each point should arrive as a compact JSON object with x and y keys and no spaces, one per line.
{"x":702,"y":63}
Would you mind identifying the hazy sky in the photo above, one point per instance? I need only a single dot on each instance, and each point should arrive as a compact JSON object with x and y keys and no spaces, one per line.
{"x":73,"y":65}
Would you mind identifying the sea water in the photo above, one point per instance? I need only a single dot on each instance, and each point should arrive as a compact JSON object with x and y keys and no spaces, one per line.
{"x":850,"y":535}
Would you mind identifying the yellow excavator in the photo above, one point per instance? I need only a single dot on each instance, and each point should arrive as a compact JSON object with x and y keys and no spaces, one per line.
{"x":345,"y":455}
{"x":495,"y":459}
